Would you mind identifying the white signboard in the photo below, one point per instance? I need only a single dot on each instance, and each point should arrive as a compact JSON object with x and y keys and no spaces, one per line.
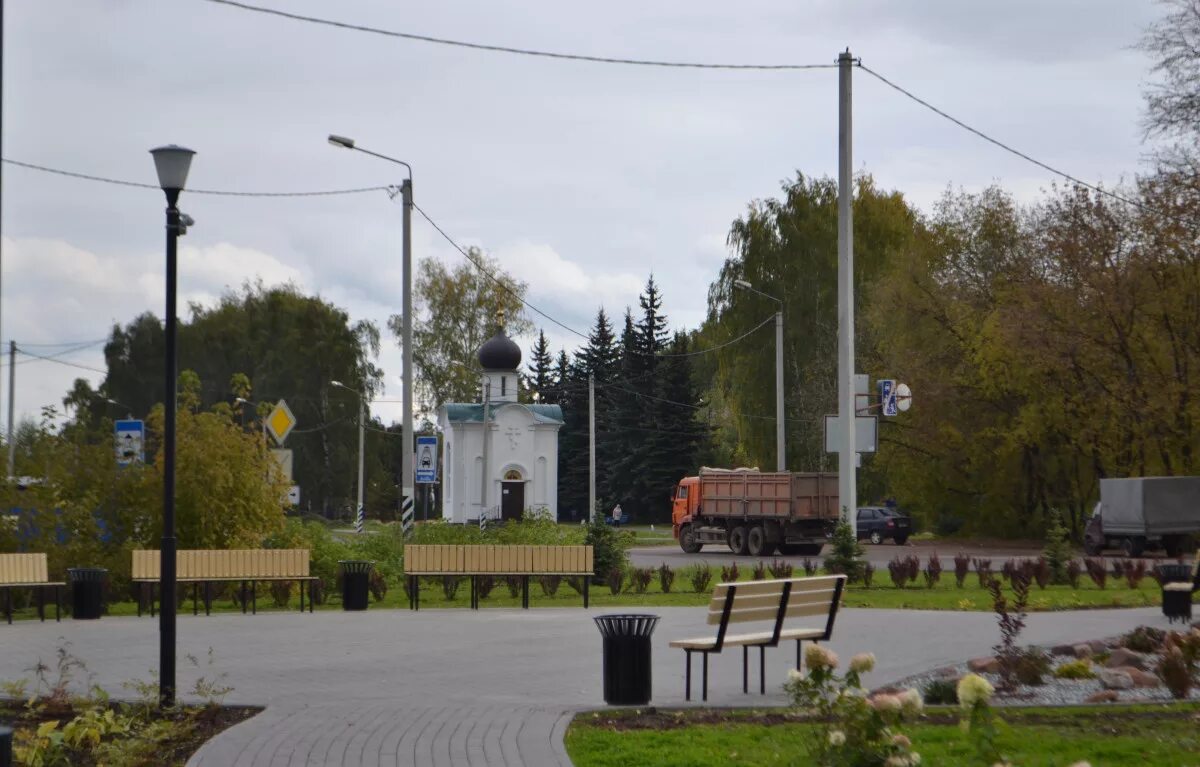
{"x":284,"y":456}
{"x":887,"y":396}
{"x":866,"y":434}
{"x":293,"y":496}
{"x":128,"y":439}
{"x":426,"y":459}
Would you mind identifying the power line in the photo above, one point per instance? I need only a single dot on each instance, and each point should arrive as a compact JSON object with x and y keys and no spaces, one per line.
{"x":1016,"y":152}
{"x":513,"y":50}
{"x":64,"y":362}
{"x":217,"y":192}
{"x":65,"y":343}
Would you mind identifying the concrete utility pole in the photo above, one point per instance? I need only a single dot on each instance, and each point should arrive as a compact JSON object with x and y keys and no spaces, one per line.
{"x":591,"y":448}
{"x":12,"y":394}
{"x":406,"y":461}
{"x":780,"y":426}
{"x":483,"y":474}
{"x":847,"y":479}
{"x":360,"y":511}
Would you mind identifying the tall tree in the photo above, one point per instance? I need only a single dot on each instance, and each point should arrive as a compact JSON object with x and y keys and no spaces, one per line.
{"x":541,"y":373}
{"x":599,"y":358}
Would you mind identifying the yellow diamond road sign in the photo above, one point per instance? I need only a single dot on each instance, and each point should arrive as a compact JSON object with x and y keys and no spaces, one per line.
{"x":281,"y":422}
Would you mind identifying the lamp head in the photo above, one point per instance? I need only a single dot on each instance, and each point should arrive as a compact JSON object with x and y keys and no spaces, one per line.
{"x":172,"y":163}
{"x":742,"y":284}
{"x":341,"y":141}
{"x":338,"y":384}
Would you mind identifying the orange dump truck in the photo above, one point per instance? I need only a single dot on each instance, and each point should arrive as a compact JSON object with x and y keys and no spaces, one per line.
{"x":754,"y":512}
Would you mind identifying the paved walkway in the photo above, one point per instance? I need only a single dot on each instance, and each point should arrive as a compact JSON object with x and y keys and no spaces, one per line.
{"x":458,"y":687}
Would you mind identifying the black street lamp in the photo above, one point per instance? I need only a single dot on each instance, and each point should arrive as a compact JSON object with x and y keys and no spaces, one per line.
{"x":172,"y":163}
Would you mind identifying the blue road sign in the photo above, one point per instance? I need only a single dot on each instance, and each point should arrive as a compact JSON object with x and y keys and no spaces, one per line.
{"x":887,"y":396}
{"x":426,"y":459}
{"x":129,"y":437}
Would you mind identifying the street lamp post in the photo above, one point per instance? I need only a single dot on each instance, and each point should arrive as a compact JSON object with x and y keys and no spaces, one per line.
{"x":406,"y":193}
{"x":172,"y":163}
{"x":780,"y":441}
{"x":360,"y":511}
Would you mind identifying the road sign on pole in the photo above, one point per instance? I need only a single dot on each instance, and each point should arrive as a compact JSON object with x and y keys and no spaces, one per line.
{"x":866,"y":434}
{"x":426,"y":459}
{"x":281,"y":422}
{"x":887,"y":396}
{"x":128,"y":438}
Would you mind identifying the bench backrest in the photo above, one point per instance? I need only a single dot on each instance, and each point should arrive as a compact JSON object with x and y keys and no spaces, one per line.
{"x":23,"y":568}
{"x":228,"y":564}
{"x":435,"y":559}
{"x":775,"y":601}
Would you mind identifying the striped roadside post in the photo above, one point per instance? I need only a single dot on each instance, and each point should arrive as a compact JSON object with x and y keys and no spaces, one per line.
{"x":406,"y":514}
{"x":358,"y":520}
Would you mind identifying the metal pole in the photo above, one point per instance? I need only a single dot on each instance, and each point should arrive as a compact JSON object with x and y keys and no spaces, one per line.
{"x":166,"y":586}
{"x":2,"y":145}
{"x":847,"y":479}
{"x":591,"y":448}
{"x":780,"y":426}
{"x":360,"y":513}
{"x":12,"y":396}
{"x":406,"y":461}
{"x":483,"y":474}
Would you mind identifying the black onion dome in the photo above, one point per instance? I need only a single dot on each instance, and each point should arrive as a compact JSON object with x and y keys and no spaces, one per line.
{"x":500,"y":353}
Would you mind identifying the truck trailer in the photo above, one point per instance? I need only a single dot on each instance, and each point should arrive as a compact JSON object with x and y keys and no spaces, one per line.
{"x":1144,"y":513}
{"x":754,"y":512}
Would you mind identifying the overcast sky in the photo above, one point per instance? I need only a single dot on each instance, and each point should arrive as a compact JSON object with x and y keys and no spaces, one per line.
{"x":580,"y":178}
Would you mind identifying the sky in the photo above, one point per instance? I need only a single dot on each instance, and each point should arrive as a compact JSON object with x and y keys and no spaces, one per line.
{"x":580,"y":178}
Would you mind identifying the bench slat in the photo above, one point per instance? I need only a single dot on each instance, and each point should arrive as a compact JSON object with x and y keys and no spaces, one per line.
{"x":23,"y":568}
{"x":488,"y":559}
{"x":769,"y":613}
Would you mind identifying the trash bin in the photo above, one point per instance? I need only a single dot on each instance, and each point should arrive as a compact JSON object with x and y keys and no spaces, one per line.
{"x":1175,"y":573}
{"x":627,"y":679}
{"x":87,"y":592}
{"x":6,"y":754}
{"x":356,"y":577}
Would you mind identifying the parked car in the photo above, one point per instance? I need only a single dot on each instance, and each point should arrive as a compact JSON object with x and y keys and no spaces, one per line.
{"x":879,"y":522}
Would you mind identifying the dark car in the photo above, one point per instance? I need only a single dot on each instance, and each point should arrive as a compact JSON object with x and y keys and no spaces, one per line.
{"x":880,"y":522}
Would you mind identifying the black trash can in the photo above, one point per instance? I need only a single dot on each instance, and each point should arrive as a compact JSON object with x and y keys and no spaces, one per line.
{"x":6,"y":754}
{"x":1174,"y":573}
{"x":87,"y":592}
{"x":356,"y":579}
{"x":627,"y":679}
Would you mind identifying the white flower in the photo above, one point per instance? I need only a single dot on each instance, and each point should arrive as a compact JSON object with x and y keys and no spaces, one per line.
{"x":912,"y":702}
{"x":914,"y":759}
{"x":901,"y":740}
{"x":896,"y":761}
{"x":862,"y":663}
{"x":973,"y":689}
{"x":837,"y":738}
{"x":816,"y":657}
{"x":886,"y":703}
{"x":794,"y":675}
{"x":1081,"y":764}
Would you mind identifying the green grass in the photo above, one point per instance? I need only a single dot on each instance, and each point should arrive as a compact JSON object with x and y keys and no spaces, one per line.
{"x":1111,"y":736}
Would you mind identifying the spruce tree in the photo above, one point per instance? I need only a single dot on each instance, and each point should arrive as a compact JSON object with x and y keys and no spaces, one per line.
{"x":541,"y":376}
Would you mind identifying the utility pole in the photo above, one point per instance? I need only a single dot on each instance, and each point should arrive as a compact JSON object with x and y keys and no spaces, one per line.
{"x":483,"y":474}
{"x":360,"y":513}
{"x":12,"y":394}
{"x":780,"y":430}
{"x":591,"y":448}
{"x":847,"y":479}
{"x":406,"y":461}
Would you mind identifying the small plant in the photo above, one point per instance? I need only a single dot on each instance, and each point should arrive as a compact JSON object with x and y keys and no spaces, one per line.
{"x":1144,"y":639}
{"x":1042,"y":572}
{"x":1057,"y":553}
{"x":450,"y":584}
{"x":701,"y":576}
{"x":1076,"y":669}
{"x":281,"y":593}
{"x":1173,"y":669}
{"x":1011,"y":618}
{"x":983,"y":568}
{"x":933,"y":570}
{"x":846,"y":556}
{"x":781,"y":569}
{"x":513,"y":584}
{"x":868,"y":573}
{"x":898,"y":569}
{"x":1118,"y":569}
{"x":640,"y":578}
{"x":810,"y":567}
{"x":973,"y":693}
{"x":760,"y":572}
{"x":1135,"y":571}
{"x":550,"y":584}
{"x":1031,"y":667}
{"x":576,"y":583}
{"x":730,"y":574}
{"x":484,"y":586}
{"x":1074,"y":570}
{"x":615,"y":580}
{"x":941,"y":692}
{"x":1097,"y":571}
{"x":378,"y":585}
{"x":962,"y":566}
{"x":666,"y":577}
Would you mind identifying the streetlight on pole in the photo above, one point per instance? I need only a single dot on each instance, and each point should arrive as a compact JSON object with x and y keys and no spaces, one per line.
{"x":172,"y":163}
{"x":780,"y":441}
{"x":406,"y":193}
{"x":359,"y":512}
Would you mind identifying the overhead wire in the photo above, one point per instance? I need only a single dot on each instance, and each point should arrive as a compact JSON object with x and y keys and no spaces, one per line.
{"x":511,"y":49}
{"x":64,"y":362}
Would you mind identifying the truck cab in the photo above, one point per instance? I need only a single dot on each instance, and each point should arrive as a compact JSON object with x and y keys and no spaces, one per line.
{"x":684,"y":502}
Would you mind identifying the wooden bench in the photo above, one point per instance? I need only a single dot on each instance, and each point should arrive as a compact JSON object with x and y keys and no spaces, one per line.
{"x":28,"y":571}
{"x":1177,"y":597}
{"x":768,"y":603}
{"x":478,"y":561}
{"x":205,"y":567}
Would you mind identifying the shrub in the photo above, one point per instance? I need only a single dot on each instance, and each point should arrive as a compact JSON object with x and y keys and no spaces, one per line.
{"x":484,"y":585}
{"x":1057,"y":553}
{"x":1076,"y":669}
{"x":1118,"y":568}
{"x":730,"y":574}
{"x":701,"y":576}
{"x":868,"y":573}
{"x":609,"y":548}
{"x":1097,"y":571}
{"x":1031,"y":667}
{"x":933,"y":570}
{"x":281,"y":593}
{"x":962,"y":566}
{"x":640,"y":578}
{"x":983,"y":568}
{"x":760,"y":572}
{"x":846,"y":556}
{"x":1011,"y":618}
{"x":1175,"y":673}
{"x":781,"y":569}
{"x":810,"y":567}
{"x":550,"y":584}
{"x":898,"y":569}
{"x":1074,"y":570}
{"x":513,"y":583}
{"x":450,"y":584}
{"x":1135,"y":571}
{"x":615,"y":580}
{"x":378,"y":585}
{"x":666,"y":577}
{"x":941,"y":692}
{"x":1144,"y":639}
{"x":576,"y":583}
{"x":324,"y":550}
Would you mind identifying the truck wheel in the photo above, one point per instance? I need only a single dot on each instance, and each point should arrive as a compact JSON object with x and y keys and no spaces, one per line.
{"x":739,"y":540}
{"x":756,"y":542}
{"x":687,"y":540}
{"x":1133,"y":546}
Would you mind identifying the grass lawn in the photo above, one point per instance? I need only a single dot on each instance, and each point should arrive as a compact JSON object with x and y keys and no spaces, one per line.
{"x":1109,"y":736}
